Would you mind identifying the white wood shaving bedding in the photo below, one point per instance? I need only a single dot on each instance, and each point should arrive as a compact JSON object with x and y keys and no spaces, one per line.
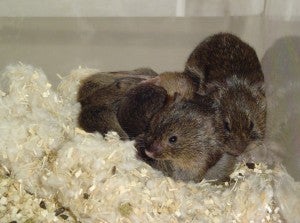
{"x":51,"y":171}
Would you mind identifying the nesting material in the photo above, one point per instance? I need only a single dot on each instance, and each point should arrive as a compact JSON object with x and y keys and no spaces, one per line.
{"x":52,"y":171}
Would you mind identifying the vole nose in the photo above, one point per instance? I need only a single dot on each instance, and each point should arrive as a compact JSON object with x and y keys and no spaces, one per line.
{"x":154,"y":149}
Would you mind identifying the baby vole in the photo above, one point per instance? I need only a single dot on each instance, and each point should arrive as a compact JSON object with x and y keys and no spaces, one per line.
{"x":103,"y":79}
{"x":138,"y":107}
{"x":175,"y":83}
{"x":100,"y":96}
{"x":181,"y":142}
{"x":144,"y":100}
{"x":228,"y":70}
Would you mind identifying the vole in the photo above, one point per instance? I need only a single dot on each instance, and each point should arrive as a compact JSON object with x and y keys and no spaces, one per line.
{"x":133,"y":96}
{"x":100,"y":96}
{"x":175,"y":83}
{"x":138,"y":107}
{"x":147,"y":98}
{"x":228,"y":70}
{"x":181,"y":141}
{"x":103,"y":79}
{"x":221,"y":56}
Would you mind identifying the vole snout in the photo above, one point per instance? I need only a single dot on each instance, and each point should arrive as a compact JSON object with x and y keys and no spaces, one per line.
{"x":154,"y":150}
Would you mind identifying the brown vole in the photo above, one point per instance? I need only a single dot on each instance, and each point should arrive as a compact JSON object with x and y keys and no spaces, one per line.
{"x":146,"y":99}
{"x":100,"y":96}
{"x":227,"y":69}
{"x":242,"y":110}
{"x":130,"y":95}
{"x":103,"y":79}
{"x":138,"y":107}
{"x":182,"y":143}
{"x":175,"y":83}
{"x":223,"y":55}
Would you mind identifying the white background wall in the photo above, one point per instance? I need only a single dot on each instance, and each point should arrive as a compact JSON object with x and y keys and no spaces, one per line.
{"x":286,"y":9}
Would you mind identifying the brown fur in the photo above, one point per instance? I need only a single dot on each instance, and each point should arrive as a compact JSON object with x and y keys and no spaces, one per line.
{"x":223,"y":55}
{"x":138,"y":107}
{"x":175,"y":83}
{"x":103,"y":79}
{"x":228,"y":70}
{"x":241,"y":115}
{"x":100,"y":96}
{"x":196,"y":149}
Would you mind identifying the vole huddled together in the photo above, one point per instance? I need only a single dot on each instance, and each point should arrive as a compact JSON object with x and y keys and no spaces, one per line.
{"x":190,"y":125}
{"x":100,"y":96}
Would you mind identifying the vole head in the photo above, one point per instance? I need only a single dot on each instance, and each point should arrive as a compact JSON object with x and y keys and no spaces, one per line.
{"x":138,"y":106}
{"x":241,"y":114}
{"x":183,"y":133}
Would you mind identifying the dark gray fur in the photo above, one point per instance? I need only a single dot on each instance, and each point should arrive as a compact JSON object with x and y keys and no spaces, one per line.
{"x":138,"y":107}
{"x":228,"y":70}
{"x":100,"y":96}
{"x":196,"y":154}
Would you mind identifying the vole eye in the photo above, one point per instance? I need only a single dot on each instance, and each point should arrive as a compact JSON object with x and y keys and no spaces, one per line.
{"x":251,"y":126}
{"x":173,"y":139}
{"x":227,"y":126}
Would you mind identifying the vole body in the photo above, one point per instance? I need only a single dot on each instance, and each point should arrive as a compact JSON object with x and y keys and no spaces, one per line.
{"x":100,"y":96}
{"x":181,"y":142}
{"x":228,"y":70}
{"x":102,"y":80}
{"x":126,"y":101}
{"x":175,"y":83}
{"x":241,"y":108}
{"x":221,"y":56}
{"x":138,"y":107}
{"x":143,"y":101}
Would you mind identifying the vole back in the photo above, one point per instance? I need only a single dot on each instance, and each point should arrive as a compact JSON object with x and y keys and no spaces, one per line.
{"x":223,"y":55}
{"x":100,"y":96}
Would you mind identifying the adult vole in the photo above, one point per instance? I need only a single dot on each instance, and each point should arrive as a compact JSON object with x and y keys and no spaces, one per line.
{"x":228,"y":70}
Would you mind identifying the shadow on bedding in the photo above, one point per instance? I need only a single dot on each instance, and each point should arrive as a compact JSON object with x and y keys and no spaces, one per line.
{"x":281,"y":66}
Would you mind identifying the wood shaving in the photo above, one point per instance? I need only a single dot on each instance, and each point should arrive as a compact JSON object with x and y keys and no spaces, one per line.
{"x":49,"y":165}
